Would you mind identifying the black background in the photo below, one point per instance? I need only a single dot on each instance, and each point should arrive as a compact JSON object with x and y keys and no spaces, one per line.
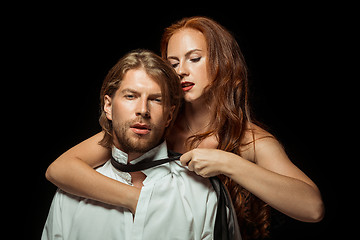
{"x":60,"y":54}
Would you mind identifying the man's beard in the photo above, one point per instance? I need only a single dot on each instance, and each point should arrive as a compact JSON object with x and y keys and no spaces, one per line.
{"x":133,"y":143}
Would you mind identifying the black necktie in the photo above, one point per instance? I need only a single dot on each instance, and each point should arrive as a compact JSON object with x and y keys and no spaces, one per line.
{"x":226,"y":226}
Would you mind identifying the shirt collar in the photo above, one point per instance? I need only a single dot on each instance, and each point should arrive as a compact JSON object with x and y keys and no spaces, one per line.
{"x":159,"y":152}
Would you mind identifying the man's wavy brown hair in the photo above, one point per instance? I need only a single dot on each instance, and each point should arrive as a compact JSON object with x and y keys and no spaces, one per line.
{"x":228,"y":92}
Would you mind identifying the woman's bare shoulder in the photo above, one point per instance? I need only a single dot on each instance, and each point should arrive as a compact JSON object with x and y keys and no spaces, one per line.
{"x":268,"y":152}
{"x":256,"y":138}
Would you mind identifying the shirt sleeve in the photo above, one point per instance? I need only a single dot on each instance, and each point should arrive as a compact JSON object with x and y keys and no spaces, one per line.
{"x":53,"y":226}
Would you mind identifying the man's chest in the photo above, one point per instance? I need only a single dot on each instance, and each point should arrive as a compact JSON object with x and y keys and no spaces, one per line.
{"x":163,"y":211}
{"x":137,"y":179}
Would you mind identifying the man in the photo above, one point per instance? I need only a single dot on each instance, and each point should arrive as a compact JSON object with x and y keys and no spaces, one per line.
{"x":140,"y":99}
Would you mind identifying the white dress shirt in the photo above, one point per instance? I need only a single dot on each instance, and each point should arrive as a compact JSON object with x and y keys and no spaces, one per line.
{"x":174,"y":203}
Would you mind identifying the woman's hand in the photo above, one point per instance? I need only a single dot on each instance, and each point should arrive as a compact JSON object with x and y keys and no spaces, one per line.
{"x":207,"y":162}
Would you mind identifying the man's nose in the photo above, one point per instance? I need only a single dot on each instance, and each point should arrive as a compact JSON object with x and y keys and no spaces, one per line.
{"x":143,"y":109}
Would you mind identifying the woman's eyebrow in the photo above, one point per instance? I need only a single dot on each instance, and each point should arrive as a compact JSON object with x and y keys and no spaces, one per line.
{"x":192,"y":51}
{"x":172,"y":57}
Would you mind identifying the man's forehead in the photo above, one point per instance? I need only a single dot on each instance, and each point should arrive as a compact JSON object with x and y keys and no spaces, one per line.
{"x":137,"y":80}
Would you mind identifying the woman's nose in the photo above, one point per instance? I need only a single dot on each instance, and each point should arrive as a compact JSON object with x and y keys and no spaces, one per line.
{"x":182,"y":70}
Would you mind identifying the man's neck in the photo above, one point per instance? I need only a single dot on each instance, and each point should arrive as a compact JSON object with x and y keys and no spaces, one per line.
{"x":132,"y":156}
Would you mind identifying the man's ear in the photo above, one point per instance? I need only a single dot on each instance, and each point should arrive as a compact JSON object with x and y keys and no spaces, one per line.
{"x":170,"y":116}
{"x":108,"y":107}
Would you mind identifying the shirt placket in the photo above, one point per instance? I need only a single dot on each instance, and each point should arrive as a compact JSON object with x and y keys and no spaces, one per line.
{"x":138,"y":222}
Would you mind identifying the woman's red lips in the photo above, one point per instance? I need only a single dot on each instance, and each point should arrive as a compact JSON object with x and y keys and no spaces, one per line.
{"x":186,"y":86}
{"x":140,"y":128}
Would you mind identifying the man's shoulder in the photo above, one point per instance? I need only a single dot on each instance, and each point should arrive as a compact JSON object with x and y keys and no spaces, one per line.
{"x":198,"y":190}
{"x":66,"y":198}
{"x":105,"y":168}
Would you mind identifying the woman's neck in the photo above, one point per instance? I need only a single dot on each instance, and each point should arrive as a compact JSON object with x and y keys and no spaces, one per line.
{"x":193,"y":119}
{"x":197,"y":117}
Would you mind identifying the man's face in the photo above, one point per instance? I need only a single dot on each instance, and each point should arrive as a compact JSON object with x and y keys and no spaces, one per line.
{"x":137,"y":113}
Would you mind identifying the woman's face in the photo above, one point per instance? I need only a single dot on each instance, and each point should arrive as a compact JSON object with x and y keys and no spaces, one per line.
{"x":187,"y":53}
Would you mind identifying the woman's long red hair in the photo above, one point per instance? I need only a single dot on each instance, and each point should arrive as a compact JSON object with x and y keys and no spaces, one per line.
{"x":228,"y":92}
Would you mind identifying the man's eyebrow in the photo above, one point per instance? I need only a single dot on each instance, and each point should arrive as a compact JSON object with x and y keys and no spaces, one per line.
{"x":130,"y":90}
{"x":186,"y":55}
{"x":155,"y":95}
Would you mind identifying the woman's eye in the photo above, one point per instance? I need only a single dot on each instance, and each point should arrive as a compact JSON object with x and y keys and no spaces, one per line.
{"x":174,"y":65}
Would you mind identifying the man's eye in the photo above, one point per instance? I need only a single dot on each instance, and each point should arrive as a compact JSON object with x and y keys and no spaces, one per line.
{"x":158,"y":100}
{"x":195,"y":59}
{"x":129,"y":96}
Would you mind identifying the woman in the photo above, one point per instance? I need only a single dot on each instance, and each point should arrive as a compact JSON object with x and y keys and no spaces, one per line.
{"x":215,"y":132}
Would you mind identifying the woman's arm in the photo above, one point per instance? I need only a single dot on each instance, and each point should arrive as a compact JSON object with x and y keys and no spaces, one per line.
{"x":274,"y":178}
{"x":74,"y":172}
{"x":277,"y":181}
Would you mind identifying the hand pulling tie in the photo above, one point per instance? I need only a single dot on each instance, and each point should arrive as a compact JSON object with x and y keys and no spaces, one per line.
{"x":226,"y":226}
